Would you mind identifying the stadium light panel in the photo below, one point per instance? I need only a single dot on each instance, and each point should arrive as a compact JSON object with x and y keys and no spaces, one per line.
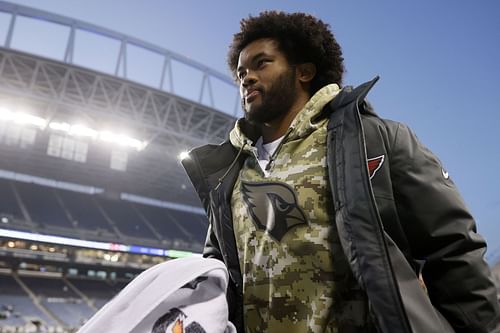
{"x":65,"y":127}
{"x":80,"y":130}
{"x":76,"y":130}
{"x":22,"y":118}
{"x":121,"y":140}
{"x":107,"y":136}
{"x":131,"y":142}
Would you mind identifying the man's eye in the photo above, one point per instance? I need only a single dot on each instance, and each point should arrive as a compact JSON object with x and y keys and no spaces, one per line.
{"x":262,"y":62}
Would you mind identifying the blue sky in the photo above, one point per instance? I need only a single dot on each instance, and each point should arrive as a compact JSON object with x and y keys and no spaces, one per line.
{"x":438,"y":62}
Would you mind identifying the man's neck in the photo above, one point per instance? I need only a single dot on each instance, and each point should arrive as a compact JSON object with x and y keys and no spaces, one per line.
{"x":277,"y":128}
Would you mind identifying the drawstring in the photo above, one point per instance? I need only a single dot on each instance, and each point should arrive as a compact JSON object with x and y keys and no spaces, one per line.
{"x":231,"y":166}
{"x":276,"y":151}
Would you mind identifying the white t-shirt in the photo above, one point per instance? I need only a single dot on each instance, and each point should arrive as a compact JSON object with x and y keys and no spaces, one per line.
{"x":265,"y":151}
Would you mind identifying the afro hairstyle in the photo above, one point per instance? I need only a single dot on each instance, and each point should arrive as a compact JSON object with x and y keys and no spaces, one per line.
{"x":301,"y":37}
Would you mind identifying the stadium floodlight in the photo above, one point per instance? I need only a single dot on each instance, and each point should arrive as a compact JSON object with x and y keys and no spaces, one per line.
{"x":80,"y":130}
{"x":65,"y":127}
{"x":183,"y":155}
{"x":108,"y":136}
{"x":76,"y":130}
{"x":121,"y":140}
{"x":3,"y":111}
{"x":131,"y":142}
{"x":22,"y":118}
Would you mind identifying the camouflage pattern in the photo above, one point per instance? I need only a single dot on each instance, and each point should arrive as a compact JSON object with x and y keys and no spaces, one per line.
{"x":295,"y":275}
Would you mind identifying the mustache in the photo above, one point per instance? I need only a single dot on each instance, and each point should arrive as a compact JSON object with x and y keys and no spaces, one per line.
{"x":258,"y":88}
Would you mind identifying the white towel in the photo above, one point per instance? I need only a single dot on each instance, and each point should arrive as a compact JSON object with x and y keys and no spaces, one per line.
{"x":178,"y":296}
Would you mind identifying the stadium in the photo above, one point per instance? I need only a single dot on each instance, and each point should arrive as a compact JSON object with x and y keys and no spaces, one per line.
{"x":92,"y":188}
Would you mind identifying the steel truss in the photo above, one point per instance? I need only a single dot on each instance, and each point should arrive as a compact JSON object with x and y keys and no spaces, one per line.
{"x":152,"y":115}
{"x":208,"y":76}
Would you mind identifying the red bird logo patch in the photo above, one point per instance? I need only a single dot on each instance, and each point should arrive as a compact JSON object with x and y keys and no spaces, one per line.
{"x":374,"y":164}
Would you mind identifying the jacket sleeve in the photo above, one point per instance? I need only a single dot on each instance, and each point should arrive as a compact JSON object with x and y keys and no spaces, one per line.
{"x":193,"y":170}
{"x":211,"y":249}
{"x":441,"y":231}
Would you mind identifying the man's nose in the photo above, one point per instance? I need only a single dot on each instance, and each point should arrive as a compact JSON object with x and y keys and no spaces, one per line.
{"x":249,"y":79}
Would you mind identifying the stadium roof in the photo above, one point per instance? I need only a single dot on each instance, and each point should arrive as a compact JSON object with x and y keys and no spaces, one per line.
{"x":60,"y":91}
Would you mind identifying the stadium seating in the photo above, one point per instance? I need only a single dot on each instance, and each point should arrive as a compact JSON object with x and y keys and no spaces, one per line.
{"x":99,"y":292}
{"x":195,"y":225}
{"x":74,"y":214}
{"x":84,"y":211}
{"x":49,"y":287}
{"x":72,"y":313}
{"x":16,"y":302}
{"x":60,"y":299}
{"x":9,"y":205}
{"x":43,"y":205}
{"x":9,"y":286}
{"x":166,"y":226}
{"x":66,"y":301}
{"x":126,"y":219}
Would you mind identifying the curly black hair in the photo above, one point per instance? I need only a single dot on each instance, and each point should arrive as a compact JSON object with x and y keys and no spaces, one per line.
{"x":301,"y":37}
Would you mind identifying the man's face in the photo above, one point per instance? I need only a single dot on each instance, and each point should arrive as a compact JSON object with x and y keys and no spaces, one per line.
{"x":268,"y":83}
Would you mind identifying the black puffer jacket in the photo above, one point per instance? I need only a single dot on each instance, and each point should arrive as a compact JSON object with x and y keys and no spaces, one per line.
{"x":395,"y":206}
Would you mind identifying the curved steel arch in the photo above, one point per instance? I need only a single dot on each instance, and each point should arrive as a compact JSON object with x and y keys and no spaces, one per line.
{"x":208,"y":74}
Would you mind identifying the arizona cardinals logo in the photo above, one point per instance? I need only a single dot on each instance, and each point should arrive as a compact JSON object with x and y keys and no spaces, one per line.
{"x":178,"y":326}
{"x":374,"y":164}
{"x":176,"y":321}
{"x":273,"y":207}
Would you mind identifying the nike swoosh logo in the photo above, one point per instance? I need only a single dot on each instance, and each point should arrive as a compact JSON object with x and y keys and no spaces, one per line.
{"x":446,"y":175}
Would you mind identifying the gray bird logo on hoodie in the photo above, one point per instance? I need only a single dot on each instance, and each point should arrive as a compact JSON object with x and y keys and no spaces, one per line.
{"x":273,"y":207}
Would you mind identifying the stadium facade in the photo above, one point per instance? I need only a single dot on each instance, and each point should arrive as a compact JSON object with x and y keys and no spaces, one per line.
{"x":91,"y":185}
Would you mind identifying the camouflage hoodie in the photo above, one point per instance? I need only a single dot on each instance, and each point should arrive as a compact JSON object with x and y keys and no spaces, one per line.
{"x":295,"y":276}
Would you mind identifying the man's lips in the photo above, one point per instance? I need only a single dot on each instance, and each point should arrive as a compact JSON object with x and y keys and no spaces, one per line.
{"x":252,"y":95}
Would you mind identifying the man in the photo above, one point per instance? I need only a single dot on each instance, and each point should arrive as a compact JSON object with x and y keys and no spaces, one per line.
{"x":324,"y":214}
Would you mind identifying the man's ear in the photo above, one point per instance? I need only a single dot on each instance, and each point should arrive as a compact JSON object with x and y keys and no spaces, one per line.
{"x":306,"y":72}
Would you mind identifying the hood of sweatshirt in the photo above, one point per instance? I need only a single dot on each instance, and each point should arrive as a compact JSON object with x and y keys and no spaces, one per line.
{"x":244,"y":135}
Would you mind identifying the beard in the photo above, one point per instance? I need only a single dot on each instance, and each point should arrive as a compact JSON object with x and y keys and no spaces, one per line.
{"x":275,"y":102}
